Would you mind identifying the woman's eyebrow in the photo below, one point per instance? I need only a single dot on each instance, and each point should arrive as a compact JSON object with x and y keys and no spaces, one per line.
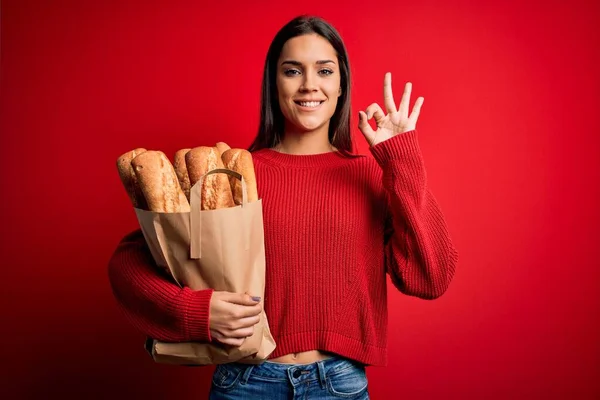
{"x":299,"y":64}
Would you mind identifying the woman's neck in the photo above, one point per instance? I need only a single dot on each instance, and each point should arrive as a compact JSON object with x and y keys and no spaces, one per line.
{"x":305,"y":143}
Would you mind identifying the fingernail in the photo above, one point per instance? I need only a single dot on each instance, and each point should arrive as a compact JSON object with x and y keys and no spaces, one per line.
{"x":256,"y":298}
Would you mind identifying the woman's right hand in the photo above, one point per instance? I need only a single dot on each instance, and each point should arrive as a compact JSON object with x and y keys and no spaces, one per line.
{"x":233,"y":316}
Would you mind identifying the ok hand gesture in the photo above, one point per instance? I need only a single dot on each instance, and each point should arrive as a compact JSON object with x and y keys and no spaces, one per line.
{"x":396,"y":121}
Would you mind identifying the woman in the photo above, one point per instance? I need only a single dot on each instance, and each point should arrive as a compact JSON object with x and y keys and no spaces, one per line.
{"x":335,"y":222}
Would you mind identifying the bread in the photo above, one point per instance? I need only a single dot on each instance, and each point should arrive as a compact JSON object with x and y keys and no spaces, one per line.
{"x":216,"y":191}
{"x":159,"y":184}
{"x":129,"y":179}
{"x":181,"y":171}
{"x":222,"y":147}
{"x":240,"y":160}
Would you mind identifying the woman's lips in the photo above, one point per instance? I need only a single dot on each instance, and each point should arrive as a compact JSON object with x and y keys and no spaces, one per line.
{"x":309,"y":105}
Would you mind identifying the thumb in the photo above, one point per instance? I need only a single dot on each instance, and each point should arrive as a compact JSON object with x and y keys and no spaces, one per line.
{"x":365,"y":127}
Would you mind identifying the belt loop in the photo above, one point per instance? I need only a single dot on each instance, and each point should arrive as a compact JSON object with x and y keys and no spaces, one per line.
{"x":246,"y":375}
{"x":322,"y":376}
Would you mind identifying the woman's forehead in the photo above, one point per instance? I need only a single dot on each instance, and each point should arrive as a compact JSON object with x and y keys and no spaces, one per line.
{"x":308,"y":49}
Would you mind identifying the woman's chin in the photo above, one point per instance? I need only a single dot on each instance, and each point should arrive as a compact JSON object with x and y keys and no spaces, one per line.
{"x":309,"y":126}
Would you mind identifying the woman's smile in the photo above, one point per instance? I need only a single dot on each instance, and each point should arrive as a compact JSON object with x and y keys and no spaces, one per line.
{"x":309,"y":105}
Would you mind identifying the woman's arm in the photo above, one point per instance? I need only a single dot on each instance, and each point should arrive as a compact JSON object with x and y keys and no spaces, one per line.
{"x":151,"y":302}
{"x":420,"y":256}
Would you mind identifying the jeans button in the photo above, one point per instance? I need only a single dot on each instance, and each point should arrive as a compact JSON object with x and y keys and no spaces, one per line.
{"x":296,"y":374}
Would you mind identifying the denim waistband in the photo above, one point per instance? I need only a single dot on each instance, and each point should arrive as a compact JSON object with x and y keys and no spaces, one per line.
{"x":295,"y":373}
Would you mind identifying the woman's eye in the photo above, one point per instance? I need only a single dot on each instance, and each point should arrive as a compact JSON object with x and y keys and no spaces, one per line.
{"x":292,"y":72}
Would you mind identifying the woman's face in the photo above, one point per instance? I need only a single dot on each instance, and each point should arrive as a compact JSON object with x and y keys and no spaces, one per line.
{"x":308,"y":83}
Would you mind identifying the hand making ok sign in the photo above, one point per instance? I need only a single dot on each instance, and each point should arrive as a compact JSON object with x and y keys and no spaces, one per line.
{"x":396,"y":121}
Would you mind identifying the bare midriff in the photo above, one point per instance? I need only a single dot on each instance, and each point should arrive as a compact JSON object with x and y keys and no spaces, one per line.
{"x":304,"y":357}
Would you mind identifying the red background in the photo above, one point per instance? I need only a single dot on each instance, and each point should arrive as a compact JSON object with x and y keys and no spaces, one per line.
{"x":509,"y":131}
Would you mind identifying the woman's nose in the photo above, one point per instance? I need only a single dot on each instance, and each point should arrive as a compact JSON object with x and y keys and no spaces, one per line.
{"x":309,"y":84}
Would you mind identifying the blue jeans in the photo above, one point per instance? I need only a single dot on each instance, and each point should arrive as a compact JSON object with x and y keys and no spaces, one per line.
{"x":332,"y":378}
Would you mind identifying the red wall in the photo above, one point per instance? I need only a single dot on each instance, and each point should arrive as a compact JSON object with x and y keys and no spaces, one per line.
{"x":509,"y":130}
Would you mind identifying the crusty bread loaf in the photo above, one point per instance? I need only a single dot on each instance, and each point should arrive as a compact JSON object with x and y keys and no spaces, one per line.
{"x":181,"y":171}
{"x":222,"y":147}
{"x":240,"y":160}
{"x":158,"y":181}
{"x":215,"y":191}
{"x":129,"y":179}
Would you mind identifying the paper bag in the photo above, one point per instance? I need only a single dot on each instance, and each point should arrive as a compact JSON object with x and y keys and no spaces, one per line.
{"x":221,"y":249}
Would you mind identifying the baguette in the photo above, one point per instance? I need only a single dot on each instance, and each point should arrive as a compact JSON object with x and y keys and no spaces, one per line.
{"x":129,"y":179}
{"x":240,"y":160}
{"x":216,"y":191}
{"x":158,"y":182}
{"x":182,"y":172}
{"x":222,"y":147}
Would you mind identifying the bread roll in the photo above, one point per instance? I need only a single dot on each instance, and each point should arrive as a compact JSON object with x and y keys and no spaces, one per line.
{"x":158,"y":181}
{"x":129,"y":179}
{"x":240,"y":160}
{"x":222,"y":147}
{"x":182,"y":172}
{"x":216,"y":191}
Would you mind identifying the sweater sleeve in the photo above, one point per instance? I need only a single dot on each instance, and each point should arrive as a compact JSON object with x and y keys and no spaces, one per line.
{"x":420,"y":257}
{"x":153,"y":303}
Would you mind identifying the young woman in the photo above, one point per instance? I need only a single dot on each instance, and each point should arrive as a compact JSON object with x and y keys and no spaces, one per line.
{"x":335,"y":223}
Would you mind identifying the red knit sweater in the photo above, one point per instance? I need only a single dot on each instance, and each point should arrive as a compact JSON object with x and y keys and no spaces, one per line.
{"x":333,"y":227}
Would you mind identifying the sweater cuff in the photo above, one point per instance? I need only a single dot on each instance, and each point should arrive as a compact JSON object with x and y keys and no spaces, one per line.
{"x":196,"y":314}
{"x":400,"y":146}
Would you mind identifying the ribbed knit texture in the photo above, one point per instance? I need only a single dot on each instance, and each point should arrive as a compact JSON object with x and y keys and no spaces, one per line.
{"x":152,"y":303}
{"x":334,"y":226}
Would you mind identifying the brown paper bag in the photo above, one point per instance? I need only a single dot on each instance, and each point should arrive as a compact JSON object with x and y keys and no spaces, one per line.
{"x":221,"y":249}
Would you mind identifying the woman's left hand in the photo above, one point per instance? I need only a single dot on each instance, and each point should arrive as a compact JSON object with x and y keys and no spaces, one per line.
{"x":396,"y":121}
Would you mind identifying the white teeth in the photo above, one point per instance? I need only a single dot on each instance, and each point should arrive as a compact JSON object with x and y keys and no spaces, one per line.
{"x":310,"y":103}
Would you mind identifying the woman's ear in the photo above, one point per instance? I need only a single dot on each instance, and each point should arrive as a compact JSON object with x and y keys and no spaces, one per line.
{"x":340,"y":92}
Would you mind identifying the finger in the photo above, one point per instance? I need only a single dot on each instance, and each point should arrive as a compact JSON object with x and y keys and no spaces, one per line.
{"x":405,"y":102}
{"x":241,"y":333}
{"x":245,"y":322}
{"x":416,"y":110}
{"x":365,"y":127}
{"x":374,"y":110}
{"x":229,"y":341}
{"x":240,"y":298}
{"x":388,"y":96}
{"x":240,"y":311}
